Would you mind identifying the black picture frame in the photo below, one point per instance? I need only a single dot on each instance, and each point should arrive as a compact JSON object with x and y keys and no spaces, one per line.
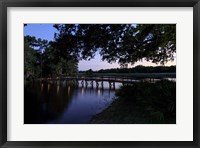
{"x":4,"y":4}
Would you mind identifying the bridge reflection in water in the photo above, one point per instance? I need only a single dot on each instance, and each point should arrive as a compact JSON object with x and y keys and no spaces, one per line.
{"x":69,"y":100}
{"x":65,"y":102}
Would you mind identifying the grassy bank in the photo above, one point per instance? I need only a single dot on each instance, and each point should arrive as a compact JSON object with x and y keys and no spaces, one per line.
{"x":142,"y":103}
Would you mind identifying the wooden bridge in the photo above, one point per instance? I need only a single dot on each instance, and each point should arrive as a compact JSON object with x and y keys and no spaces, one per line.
{"x":86,"y":81}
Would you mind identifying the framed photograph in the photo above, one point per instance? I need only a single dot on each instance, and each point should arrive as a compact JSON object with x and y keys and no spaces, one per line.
{"x":86,"y":73}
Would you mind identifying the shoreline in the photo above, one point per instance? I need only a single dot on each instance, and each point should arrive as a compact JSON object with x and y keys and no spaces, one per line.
{"x":139,"y":109}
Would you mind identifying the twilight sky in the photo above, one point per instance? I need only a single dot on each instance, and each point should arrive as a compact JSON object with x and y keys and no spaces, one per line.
{"x":46,"y":31}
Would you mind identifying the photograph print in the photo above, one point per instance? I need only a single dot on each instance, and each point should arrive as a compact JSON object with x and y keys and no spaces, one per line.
{"x":100,"y":73}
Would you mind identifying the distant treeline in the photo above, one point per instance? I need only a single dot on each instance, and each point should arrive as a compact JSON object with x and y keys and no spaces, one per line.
{"x":137,"y":69}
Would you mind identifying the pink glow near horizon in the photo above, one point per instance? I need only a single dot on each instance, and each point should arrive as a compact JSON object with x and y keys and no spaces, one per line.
{"x":97,"y":64}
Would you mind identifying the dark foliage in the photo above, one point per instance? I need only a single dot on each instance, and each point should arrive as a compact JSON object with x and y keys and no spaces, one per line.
{"x":123,"y":43}
{"x":155,"y":101}
{"x":140,"y":69}
{"x":142,"y":103}
{"x":41,"y":59}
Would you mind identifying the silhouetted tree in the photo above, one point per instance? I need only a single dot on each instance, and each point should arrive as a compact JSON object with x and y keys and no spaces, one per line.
{"x":123,"y":43}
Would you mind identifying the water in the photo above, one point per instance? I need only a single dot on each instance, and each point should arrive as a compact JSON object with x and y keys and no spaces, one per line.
{"x":47,"y":103}
{"x":63,"y":103}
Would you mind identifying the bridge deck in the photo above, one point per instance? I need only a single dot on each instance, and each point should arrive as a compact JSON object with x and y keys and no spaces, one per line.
{"x":96,"y":79}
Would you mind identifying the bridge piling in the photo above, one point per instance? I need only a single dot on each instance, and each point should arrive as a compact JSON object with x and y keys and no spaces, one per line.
{"x":110,"y":84}
{"x":97,"y":84}
{"x":91,"y":83}
{"x":82,"y":83}
{"x":114,"y":85}
{"x":102,"y":84}
{"x":86,"y":83}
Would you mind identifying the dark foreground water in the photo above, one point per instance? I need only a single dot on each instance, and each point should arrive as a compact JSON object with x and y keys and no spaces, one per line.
{"x":64,"y":104}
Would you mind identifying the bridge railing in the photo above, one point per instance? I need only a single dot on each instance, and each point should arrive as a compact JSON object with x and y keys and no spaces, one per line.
{"x":117,"y":77}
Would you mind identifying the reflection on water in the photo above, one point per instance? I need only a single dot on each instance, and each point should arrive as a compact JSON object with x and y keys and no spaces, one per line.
{"x":60,"y":103}
{"x":64,"y":103}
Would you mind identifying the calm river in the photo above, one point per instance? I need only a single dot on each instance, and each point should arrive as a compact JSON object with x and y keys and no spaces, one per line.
{"x":65,"y":104}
